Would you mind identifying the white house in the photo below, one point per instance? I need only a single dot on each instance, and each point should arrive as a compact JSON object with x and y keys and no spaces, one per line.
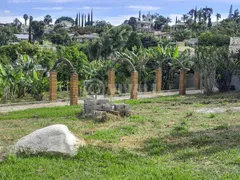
{"x":146,"y":23}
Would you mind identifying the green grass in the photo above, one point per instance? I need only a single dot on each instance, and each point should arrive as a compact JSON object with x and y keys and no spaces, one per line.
{"x":65,"y":111}
{"x":94,"y":163}
{"x":113,"y":135}
{"x":163,"y":139}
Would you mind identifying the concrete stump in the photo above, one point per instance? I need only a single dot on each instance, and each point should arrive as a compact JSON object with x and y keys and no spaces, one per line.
{"x":53,"y":86}
{"x":158,"y":80}
{"x":111,"y":82}
{"x":183,"y":82}
{"x":197,"y":80}
{"x":134,"y":85}
{"x":74,"y":89}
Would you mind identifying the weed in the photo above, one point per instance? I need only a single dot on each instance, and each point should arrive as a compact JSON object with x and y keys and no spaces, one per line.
{"x":211,"y":116}
{"x":221,"y":127}
{"x":155,"y":146}
{"x":202,"y":140}
{"x":189,"y":114}
{"x":180,"y":129}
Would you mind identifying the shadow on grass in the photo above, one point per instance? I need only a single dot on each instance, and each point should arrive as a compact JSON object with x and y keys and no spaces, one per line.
{"x":196,"y":144}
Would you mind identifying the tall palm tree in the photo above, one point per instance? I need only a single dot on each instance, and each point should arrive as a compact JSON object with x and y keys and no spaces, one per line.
{"x":169,"y":20}
{"x":185,"y":17}
{"x":47,"y":19}
{"x":25,"y":17}
{"x":200,"y":15}
{"x":207,"y":14}
{"x":236,"y":14}
{"x":218,"y":17}
{"x":191,"y":13}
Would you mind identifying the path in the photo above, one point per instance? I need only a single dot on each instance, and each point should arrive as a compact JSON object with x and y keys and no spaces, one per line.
{"x":18,"y":107}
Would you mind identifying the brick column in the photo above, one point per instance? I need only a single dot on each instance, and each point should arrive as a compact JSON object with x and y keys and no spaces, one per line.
{"x":111,"y":82}
{"x":158,"y":80}
{"x":197,"y":80}
{"x":53,"y":86}
{"x":74,"y":89}
{"x":183,"y":82}
{"x":134,"y":85}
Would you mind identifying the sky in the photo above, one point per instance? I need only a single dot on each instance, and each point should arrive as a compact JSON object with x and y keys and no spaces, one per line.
{"x":113,"y":11}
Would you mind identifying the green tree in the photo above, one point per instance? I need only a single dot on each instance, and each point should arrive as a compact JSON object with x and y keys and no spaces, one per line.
{"x":38,"y":30}
{"x":64,"y":18}
{"x":148,"y":40}
{"x":133,"y":40}
{"x":185,"y":18}
{"x":210,"y":39}
{"x":218,"y":17}
{"x":30,"y":29}
{"x":133,"y":23}
{"x":25,"y":17}
{"x":61,"y":37}
{"x":181,"y":34}
{"x":7,"y":35}
{"x":159,"y":22}
{"x":47,"y":19}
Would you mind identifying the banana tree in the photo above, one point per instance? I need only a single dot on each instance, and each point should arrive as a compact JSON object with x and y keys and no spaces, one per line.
{"x":138,"y":58}
{"x":162,"y":56}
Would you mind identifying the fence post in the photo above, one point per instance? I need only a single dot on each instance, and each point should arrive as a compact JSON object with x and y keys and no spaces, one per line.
{"x":197,"y":80}
{"x":134,"y":85}
{"x":158,"y":80}
{"x":74,"y":89}
{"x":183,"y":82}
{"x":53,"y":86}
{"x":111,"y":82}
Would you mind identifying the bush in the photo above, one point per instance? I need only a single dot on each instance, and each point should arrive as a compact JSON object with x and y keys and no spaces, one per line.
{"x":210,"y":39}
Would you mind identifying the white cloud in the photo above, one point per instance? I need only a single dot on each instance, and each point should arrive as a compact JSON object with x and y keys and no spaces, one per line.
{"x":42,"y":1}
{"x":48,"y":8}
{"x":117,"y":20}
{"x":9,"y":19}
{"x":144,"y":8}
{"x":95,"y":8}
{"x":6,"y":12}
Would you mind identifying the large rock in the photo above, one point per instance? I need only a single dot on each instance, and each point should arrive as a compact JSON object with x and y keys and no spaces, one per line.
{"x":53,"y":139}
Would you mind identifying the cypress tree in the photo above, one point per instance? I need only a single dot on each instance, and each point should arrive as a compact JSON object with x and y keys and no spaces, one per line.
{"x":92,"y":17}
{"x":230,"y":12}
{"x":82,"y":19}
{"x":30,"y":29}
{"x":88,"y":23}
{"x":76,"y":20}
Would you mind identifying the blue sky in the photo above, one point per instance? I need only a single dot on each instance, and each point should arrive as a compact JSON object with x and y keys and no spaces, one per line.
{"x":114,"y":11}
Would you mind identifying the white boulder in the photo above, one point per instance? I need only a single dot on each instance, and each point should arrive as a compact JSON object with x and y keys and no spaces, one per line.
{"x":52,"y":139}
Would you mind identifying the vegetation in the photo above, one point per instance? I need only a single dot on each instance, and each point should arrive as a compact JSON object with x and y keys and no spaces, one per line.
{"x":144,"y":50}
{"x":163,"y":139}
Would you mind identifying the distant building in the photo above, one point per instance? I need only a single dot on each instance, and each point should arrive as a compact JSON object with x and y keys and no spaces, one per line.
{"x":66,"y":24}
{"x":2,"y":24}
{"x":159,"y":34}
{"x":22,"y":37}
{"x":83,"y":38}
{"x":145,"y":23}
{"x":180,"y":25}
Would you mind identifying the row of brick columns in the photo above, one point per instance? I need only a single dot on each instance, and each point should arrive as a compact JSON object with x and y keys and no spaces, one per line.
{"x":73,"y":87}
{"x":134,"y":82}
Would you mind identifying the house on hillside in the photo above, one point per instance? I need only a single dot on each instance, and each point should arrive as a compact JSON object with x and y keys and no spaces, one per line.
{"x":145,"y":23}
{"x":180,"y":25}
{"x":22,"y":37}
{"x":83,"y":38}
{"x":3,"y":24}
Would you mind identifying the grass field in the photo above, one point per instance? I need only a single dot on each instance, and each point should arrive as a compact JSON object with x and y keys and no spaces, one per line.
{"x":163,"y":139}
